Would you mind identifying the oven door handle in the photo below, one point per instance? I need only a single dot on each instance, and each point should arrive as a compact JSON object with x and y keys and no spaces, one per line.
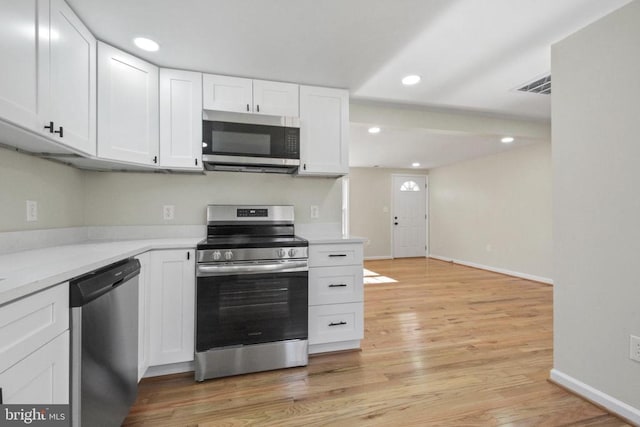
{"x":203,"y":270}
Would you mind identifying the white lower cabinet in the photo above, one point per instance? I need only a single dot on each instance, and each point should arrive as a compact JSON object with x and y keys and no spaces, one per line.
{"x":34,"y":349}
{"x":336,"y":297}
{"x":172,"y":306}
{"x":40,"y":378}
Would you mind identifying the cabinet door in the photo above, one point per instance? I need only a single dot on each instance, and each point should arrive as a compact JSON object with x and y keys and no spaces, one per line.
{"x":24,"y":26}
{"x":224,"y":93}
{"x":180,"y":119}
{"x":172,"y":288}
{"x":127,"y":107}
{"x":144,"y":320}
{"x":41,"y":378}
{"x":275,"y":98}
{"x":324,"y":131}
{"x":72,"y":80}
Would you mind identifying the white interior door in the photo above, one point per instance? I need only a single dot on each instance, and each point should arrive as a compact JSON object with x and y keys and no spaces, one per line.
{"x":409,"y":216}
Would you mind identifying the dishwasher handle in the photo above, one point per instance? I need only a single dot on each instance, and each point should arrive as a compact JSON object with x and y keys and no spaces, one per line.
{"x":88,"y":287}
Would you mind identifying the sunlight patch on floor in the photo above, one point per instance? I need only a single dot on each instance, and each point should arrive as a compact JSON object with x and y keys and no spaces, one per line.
{"x":371,"y":277}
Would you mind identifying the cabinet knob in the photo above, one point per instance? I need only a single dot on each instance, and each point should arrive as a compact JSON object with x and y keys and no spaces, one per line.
{"x":155,"y":159}
{"x":258,"y":107}
{"x":59,"y":132}
{"x":395,"y":223}
{"x":247,"y":107}
{"x":50,"y":127}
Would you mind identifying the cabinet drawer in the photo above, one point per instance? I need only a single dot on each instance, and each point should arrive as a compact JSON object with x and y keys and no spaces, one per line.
{"x":335,"y":322}
{"x":29,"y":323}
{"x":335,"y":255}
{"x":331,"y":285}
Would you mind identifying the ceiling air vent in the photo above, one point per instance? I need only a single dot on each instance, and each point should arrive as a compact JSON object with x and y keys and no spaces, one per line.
{"x":542,"y":86}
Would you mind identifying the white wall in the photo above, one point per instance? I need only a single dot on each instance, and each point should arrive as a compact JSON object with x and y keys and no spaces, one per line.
{"x":58,"y":189}
{"x":68,"y":197}
{"x":495,"y":211}
{"x":137,"y":198}
{"x":369,"y":195}
{"x":596,"y":157}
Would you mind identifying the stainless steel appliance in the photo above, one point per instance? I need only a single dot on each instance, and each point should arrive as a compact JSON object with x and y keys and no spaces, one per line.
{"x":250,"y":147}
{"x":104,"y":344}
{"x":252,"y":292}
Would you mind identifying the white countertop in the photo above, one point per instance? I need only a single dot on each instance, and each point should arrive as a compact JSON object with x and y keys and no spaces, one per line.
{"x":26,"y":272}
{"x":328,"y":238}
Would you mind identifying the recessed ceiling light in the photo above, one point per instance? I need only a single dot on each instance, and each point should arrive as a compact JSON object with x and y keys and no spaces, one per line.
{"x":507,"y":140}
{"x":415,"y":164}
{"x":410,"y":80}
{"x":374,"y":129}
{"x":146,"y":44}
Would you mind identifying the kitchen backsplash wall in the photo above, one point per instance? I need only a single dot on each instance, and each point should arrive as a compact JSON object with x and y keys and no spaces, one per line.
{"x":57,"y":189}
{"x":68,"y":197}
{"x":138,"y":198}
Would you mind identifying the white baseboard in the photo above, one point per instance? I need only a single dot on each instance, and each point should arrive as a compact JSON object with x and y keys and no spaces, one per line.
{"x":610,"y":403}
{"x":373,"y":258}
{"x":334,"y":346}
{"x":173,"y":368}
{"x":495,"y":269}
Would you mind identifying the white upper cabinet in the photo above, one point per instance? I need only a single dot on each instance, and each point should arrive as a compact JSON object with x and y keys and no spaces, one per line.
{"x":239,"y":95}
{"x":72,"y":84}
{"x":324,"y":131}
{"x":180,"y":119}
{"x":47,"y":82}
{"x":226,"y":93}
{"x":19,"y":51}
{"x":275,"y":98}
{"x":127,"y":107}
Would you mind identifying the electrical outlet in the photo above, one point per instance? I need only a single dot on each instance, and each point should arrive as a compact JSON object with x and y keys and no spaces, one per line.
{"x":634,"y":348}
{"x":32,"y":210}
{"x":315,"y":211}
{"x":169,"y":212}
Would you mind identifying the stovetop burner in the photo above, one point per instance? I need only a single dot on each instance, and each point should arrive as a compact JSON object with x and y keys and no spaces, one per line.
{"x":250,"y":233}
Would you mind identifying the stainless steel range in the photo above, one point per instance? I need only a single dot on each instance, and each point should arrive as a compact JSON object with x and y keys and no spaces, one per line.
{"x":252,"y":292}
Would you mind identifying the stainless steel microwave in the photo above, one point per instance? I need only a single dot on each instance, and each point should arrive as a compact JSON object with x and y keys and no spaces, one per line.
{"x":250,"y":147}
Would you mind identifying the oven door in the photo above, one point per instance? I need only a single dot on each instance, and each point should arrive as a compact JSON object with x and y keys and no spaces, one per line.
{"x":251,"y":303}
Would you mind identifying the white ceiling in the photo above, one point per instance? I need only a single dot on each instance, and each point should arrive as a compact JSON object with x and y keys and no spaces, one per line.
{"x":400,"y":147}
{"x":471,"y":54}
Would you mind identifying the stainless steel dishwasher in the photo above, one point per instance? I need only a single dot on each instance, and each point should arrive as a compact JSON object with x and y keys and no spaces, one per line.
{"x":104,"y":344}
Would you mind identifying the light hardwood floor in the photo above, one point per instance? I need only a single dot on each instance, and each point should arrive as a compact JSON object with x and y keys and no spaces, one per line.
{"x":446,"y":345}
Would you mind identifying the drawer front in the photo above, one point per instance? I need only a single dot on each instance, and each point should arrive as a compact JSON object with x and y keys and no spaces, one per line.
{"x":31,"y":322}
{"x":335,"y":255}
{"x":335,"y":285}
{"x":335,"y":322}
